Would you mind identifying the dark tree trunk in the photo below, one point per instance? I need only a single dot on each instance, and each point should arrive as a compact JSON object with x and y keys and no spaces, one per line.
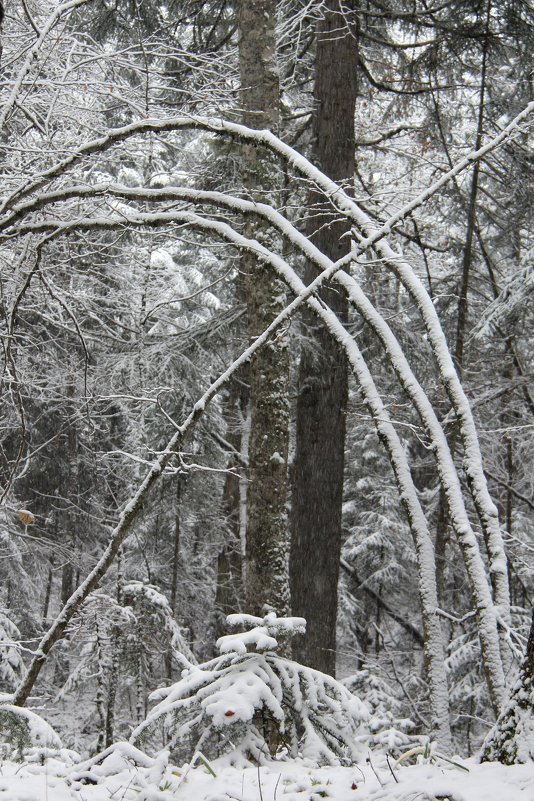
{"x":48,"y":591}
{"x":322,"y":396}
{"x":229,"y":590}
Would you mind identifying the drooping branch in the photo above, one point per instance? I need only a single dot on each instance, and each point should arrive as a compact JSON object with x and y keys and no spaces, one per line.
{"x":434,"y":650}
{"x":374,"y":236}
{"x":133,"y":508}
{"x":446,"y":468}
{"x":261,"y":137}
{"x":447,"y":471}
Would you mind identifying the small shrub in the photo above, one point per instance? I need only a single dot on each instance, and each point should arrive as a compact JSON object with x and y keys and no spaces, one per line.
{"x":253,"y":703}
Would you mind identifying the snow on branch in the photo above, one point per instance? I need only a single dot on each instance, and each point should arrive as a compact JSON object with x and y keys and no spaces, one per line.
{"x":234,"y":702}
{"x":262,"y":137}
{"x":374,"y":236}
{"x":33,"y":54}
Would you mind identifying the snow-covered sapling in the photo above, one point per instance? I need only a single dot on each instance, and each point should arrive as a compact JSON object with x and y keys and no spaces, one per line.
{"x":11,"y":664}
{"x":511,"y":740}
{"x":234,"y":702}
{"x":23,"y":731}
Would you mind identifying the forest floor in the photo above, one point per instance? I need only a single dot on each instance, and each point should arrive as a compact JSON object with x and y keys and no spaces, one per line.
{"x":118,"y":778}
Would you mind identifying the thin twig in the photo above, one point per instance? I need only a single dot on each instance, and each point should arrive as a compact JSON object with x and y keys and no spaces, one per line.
{"x":369,"y":762}
{"x":391,"y":769}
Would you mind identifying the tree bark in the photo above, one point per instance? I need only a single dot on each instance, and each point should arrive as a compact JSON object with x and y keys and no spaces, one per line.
{"x":317,"y":491}
{"x":267,"y":546}
{"x":511,"y":741}
{"x":229,"y":589}
{"x":1,"y":21}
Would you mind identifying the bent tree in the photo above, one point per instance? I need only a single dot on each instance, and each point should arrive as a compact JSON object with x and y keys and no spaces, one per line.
{"x":56,"y":204}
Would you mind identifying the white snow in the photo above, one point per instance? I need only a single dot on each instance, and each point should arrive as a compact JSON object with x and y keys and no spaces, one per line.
{"x":258,"y":637}
{"x":294,"y":780}
{"x":38,"y":732}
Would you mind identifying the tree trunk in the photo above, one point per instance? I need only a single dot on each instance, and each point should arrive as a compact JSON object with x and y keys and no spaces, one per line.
{"x":229,"y":590}
{"x":100,"y":692}
{"x":48,"y":591}
{"x":266,"y":570}
{"x":1,"y":21}
{"x":176,"y":546}
{"x":317,"y":492}
{"x":511,"y":740}
{"x":175,"y":566}
{"x":112,"y":692}
{"x":467,"y":258}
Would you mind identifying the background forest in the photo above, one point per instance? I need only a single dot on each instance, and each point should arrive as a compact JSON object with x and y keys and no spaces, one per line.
{"x":150,"y":232}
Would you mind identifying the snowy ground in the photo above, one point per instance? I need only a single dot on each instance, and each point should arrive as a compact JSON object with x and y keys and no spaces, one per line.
{"x":119,"y":778}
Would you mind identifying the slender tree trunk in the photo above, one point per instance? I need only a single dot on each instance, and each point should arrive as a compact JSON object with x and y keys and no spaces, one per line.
{"x":48,"y":591}
{"x":139,"y":694}
{"x":113,"y":682}
{"x":229,"y":589}
{"x":317,"y":492}
{"x":70,"y":491}
{"x":176,"y":546}
{"x":471,"y":212}
{"x":175,"y":566}
{"x":112,"y":692}
{"x":99,"y":699}
{"x":71,"y":494}
{"x":266,"y":569}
